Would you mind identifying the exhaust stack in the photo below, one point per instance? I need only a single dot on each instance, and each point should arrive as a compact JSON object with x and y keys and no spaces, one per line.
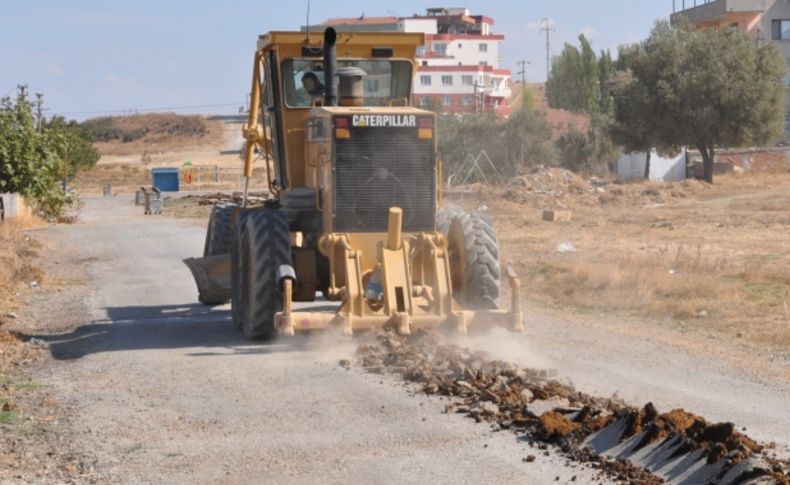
{"x":330,"y":67}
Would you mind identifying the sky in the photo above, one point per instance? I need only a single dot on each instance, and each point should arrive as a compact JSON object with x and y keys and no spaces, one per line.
{"x":100,"y":57}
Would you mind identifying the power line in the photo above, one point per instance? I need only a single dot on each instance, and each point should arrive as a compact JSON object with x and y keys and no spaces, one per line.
{"x":147,"y":110}
{"x":548,"y":29}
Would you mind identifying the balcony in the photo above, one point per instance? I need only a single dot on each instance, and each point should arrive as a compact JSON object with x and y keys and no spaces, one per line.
{"x":710,"y":13}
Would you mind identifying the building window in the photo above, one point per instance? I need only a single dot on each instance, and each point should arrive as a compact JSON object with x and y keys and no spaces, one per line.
{"x":421,"y":51}
{"x":781,"y":29}
{"x":441,"y":49}
{"x":483,"y":47}
{"x":483,"y":63}
{"x":466,"y":79}
{"x":447,"y":80}
{"x":447,"y":100}
{"x":425,"y":80}
{"x":468,"y":100}
{"x":425,"y":100}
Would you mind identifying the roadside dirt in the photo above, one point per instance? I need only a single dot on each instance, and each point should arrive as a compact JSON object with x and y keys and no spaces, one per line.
{"x":697,"y":258}
{"x":37,"y":290}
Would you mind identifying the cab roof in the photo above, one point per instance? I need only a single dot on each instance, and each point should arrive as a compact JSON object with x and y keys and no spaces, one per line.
{"x":356,"y":39}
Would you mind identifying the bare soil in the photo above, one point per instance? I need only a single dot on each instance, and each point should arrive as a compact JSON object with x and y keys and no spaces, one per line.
{"x":34,"y":422}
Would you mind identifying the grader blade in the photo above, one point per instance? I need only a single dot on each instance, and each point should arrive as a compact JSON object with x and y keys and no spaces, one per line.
{"x":212,"y":277}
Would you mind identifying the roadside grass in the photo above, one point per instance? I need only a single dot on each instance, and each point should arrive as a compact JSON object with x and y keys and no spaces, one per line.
{"x":17,"y":253}
{"x":715,"y":259}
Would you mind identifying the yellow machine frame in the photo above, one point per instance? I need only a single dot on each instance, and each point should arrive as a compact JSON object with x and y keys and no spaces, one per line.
{"x":415,"y":269}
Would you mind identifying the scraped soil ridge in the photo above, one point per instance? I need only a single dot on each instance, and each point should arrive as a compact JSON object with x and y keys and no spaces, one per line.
{"x":530,"y":403}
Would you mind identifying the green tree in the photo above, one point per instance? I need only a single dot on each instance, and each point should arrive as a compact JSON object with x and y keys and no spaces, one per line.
{"x":605,"y":74}
{"x":74,"y":147}
{"x":574,"y":81}
{"x":702,"y":89}
{"x":29,"y":161}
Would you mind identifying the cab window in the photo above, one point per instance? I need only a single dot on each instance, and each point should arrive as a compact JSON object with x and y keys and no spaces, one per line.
{"x":385,"y":81}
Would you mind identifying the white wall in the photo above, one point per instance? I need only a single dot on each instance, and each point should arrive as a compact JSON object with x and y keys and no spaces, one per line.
{"x":467,"y":52}
{"x":426,"y":26}
{"x":631,"y":166}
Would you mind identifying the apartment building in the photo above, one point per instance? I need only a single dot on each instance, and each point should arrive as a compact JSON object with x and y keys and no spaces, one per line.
{"x":458,"y":68}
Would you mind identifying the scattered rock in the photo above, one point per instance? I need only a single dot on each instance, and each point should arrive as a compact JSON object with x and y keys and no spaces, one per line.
{"x":566,"y":247}
{"x":542,"y":406}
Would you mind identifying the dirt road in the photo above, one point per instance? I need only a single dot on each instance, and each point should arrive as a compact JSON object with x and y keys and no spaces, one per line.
{"x":163,"y":390}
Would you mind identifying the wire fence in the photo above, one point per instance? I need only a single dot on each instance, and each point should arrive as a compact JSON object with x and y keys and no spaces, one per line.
{"x":202,"y":178}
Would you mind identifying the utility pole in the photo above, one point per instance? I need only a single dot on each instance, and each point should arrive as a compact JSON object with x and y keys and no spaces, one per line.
{"x":39,"y":111}
{"x":479,"y":101}
{"x":22,"y":89}
{"x":548,"y":29}
{"x":523,"y":72}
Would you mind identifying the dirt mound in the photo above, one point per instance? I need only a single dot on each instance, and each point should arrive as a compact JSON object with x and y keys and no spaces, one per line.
{"x":560,"y":188}
{"x":528,"y":401}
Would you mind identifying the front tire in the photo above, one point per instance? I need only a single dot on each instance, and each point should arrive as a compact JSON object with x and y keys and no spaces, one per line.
{"x":266,"y":246}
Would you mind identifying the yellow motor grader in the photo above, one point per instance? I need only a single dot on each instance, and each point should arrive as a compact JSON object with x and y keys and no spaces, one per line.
{"x":355,"y":185}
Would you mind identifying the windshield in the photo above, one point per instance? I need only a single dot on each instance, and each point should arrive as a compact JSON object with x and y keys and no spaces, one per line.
{"x":384,"y":81}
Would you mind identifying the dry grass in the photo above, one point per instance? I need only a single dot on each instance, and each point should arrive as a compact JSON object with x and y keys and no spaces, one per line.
{"x":715,"y":258}
{"x":17,"y":254}
{"x":120,"y":175}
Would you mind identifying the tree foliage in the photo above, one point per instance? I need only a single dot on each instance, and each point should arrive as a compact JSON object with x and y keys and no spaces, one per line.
{"x":578,"y":80}
{"x":703,"y":89}
{"x":74,"y":147}
{"x":521,"y":141}
{"x":573,"y":83}
{"x":33,"y":161}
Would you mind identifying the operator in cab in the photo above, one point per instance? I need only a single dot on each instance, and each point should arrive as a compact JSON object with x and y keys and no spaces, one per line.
{"x":312,"y":86}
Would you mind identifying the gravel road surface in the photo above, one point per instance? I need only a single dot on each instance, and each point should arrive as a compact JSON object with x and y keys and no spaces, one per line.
{"x":164,"y":390}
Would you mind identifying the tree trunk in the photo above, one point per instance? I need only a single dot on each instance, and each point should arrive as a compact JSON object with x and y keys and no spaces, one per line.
{"x":647,"y":163}
{"x":708,"y":156}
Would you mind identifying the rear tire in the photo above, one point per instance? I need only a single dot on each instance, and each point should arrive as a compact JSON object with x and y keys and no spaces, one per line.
{"x":445,"y":217}
{"x":474,"y":260}
{"x":219,"y":236}
{"x":266,"y":246}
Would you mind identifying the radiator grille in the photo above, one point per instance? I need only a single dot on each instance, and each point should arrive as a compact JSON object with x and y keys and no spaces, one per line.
{"x":378,"y":168}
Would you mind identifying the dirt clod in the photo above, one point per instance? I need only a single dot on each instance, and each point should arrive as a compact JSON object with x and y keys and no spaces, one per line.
{"x":508,"y":397}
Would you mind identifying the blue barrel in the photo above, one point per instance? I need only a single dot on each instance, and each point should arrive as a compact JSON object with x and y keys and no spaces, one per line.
{"x":165,"y":179}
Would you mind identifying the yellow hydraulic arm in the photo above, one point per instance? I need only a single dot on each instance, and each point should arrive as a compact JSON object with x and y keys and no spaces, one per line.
{"x":253,"y":132}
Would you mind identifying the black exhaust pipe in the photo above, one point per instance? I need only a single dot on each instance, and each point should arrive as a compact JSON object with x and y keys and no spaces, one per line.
{"x":330,"y":67}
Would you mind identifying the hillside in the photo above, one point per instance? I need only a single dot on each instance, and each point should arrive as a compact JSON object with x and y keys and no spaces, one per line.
{"x":153,"y":133}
